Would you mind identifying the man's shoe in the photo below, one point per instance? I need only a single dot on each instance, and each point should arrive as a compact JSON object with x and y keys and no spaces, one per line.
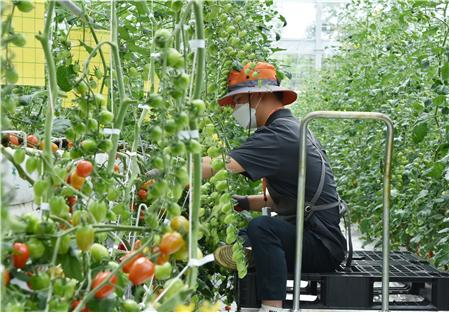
{"x":223,"y":257}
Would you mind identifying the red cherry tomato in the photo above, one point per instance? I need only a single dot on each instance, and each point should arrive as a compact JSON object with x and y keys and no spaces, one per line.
{"x":171,"y":243}
{"x":141,"y":271}
{"x":127,"y":266}
{"x":32,"y":141}
{"x":76,"y":181}
{"x":71,"y":201}
{"x":75,"y":304}
{"x":84,"y":168}
{"x":13,"y":139}
{"x":20,"y":255}
{"x":143,"y":194}
{"x":108,"y":288}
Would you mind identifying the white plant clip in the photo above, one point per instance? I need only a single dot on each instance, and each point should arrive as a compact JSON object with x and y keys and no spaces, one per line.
{"x":143,"y":106}
{"x":45,"y":206}
{"x":194,"y":262}
{"x":197,"y":43}
{"x":111,"y":131}
{"x":188,"y":134}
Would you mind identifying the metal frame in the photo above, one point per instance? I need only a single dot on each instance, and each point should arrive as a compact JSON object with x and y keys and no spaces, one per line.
{"x":386,"y":194}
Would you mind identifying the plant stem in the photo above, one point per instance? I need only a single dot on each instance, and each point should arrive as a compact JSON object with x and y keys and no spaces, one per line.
{"x":118,"y":119}
{"x":53,"y":87}
{"x":196,"y":158}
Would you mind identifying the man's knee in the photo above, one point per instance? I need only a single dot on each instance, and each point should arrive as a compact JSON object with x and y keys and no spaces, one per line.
{"x":257,"y":226}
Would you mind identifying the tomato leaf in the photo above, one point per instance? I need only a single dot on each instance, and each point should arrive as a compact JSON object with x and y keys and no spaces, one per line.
{"x":71,"y":266}
{"x":87,"y":47}
{"x":436,"y":171}
{"x":104,"y":305}
{"x":420,"y":131}
{"x":65,"y":78}
{"x":445,"y":71}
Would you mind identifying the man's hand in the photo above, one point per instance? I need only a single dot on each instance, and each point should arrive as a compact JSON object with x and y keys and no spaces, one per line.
{"x":241,"y":203}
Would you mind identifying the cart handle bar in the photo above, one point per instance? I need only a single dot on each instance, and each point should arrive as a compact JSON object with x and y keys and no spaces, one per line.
{"x":386,"y":194}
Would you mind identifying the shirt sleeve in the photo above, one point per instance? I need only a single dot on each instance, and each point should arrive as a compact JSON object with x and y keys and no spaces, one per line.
{"x":259,"y":154}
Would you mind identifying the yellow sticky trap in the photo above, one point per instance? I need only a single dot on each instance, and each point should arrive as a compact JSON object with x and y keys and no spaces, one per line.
{"x":29,"y":60}
{"x":80,"y":54}
{"x":147,"y":85}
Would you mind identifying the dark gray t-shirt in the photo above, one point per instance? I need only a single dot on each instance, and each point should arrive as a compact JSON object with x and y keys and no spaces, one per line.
{"x":273,"y":152}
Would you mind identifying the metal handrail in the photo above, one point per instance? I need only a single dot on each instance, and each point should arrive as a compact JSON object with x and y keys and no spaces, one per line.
{"x":386,"y":195}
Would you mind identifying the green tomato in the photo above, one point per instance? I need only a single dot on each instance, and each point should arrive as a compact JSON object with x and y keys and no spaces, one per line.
{"x":85,"y":238}
{"x":130,"y":306}
{"x":174,"y":58}
{"x":173,"y":210}
{"x":161,"y":37}
{"x":182,"y":119}
{"x":163,"y":272}
{"x":92,"y":124}
{"x":213,"y":152}
{"x":18,"y":40}
{"x":19,"y":156}
{"x":105,"y":145}
{"x":221,"y":185}
{"x":170,"y":127}
{"x":113,"y":194}
{"x":11,"y":75}
{"x":198,"y":106}
{"x":100,"y":100}
{"x":40,"y":281}
{"x":89,"y":145}
{"x":154,"y":100}
{"x":98,"y":209}
{"x":105,"y":117}
{"x":177,"y":148}
{"x":36,"y":248}
{"x":31,"y":164}
{"x":99,"y":252}
{"x":181,"y":82}
{"x":217,"y":164}
{"x":82,"y":88}
{"x":56,"y":305}
{"x":64,"y":245}
{"x":58,"y":206}
{"x":24,"y":5}
{"x":155,"y":133}
{"x":40,"y":186}
{"x":98,"y":74}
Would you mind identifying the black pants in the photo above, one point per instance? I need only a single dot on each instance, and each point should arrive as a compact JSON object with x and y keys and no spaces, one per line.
{"x":273,"y":243}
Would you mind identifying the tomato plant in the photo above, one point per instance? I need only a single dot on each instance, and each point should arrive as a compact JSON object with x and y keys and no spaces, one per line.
{"x":112,"y":147}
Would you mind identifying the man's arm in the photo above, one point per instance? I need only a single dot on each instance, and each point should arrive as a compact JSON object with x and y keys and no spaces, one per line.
{"x":257,"y":202}
{"x":232,"y":166}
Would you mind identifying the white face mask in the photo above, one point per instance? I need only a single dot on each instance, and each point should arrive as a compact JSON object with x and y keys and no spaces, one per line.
{"x":246,"y":115}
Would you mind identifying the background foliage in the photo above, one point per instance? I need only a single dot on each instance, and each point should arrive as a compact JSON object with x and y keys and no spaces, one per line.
{"x":393,"y":59}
